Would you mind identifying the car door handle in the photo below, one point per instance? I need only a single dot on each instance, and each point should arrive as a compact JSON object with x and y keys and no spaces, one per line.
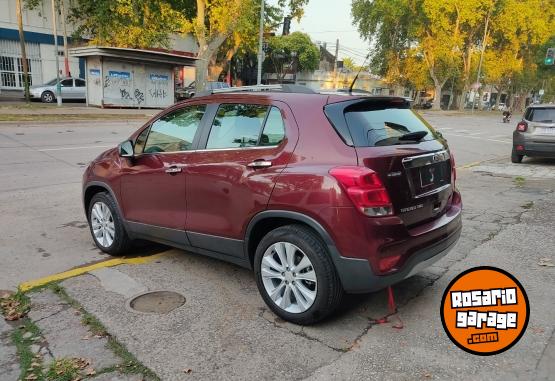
{"x":173,"y":170}
{"x":260,"y":163}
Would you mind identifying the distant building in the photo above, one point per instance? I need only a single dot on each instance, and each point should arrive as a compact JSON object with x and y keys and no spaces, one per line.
{"x":39,"y":46}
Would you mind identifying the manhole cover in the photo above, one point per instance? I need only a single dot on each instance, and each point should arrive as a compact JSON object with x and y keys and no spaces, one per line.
{"x":158,"y":302}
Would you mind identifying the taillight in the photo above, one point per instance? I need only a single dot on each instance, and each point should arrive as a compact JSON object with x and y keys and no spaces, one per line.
{"x":365,"y":189}
{"x":522,"y":126}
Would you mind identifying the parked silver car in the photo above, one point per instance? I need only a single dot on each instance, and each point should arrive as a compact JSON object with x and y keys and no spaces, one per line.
{"x":535,"y":134}
{"x":72,"y":88}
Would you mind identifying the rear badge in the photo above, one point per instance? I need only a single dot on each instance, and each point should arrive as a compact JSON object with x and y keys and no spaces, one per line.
{"x":411,"y":208}
{"x":394,"y":174}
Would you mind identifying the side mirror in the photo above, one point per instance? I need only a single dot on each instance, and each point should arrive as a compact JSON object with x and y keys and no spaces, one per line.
{"x":126,"y":149}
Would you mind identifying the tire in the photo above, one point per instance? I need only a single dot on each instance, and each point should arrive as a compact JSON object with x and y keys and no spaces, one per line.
{"x":324,"y":294}
{"x":103,"y":210}
{"x":516,"y":158}
{"x":47,"y":97}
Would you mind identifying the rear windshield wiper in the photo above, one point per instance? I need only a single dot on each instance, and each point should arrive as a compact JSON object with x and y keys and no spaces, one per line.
{"x":414,"y":136}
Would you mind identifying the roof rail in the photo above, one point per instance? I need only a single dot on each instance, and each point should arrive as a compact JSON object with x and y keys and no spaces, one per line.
{"x":246,"y":88}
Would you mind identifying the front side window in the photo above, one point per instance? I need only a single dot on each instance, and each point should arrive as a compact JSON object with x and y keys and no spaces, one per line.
{"x":175,"y":132}
{"x":140,"y":141}
{"x":67,"y":83}
{"x":237,"y":126}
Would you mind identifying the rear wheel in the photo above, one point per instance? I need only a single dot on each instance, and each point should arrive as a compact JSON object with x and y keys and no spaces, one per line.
{"x":515,"y":157}
{"x":295,"y":275}
{"x":106,"y":225}
{"x":47,"y":97}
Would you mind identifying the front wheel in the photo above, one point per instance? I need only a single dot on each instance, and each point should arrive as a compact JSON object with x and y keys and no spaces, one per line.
{"x":515,"y":157}
{"x":47,"y":97}
{"x":106,"y":225}
{"x":295,"y":275}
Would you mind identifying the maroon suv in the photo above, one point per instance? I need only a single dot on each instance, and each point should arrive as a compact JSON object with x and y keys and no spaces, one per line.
{"x":320,"y":194}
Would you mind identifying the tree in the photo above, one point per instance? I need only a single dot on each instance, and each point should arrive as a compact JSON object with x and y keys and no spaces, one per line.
{"x":293,"y":52}
{"x":130,"y":23}
{"x":217,"y":20}
{"x":349,"y":64}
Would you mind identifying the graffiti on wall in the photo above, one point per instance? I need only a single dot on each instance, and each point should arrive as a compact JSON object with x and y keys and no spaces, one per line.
{"x":158,"y":85}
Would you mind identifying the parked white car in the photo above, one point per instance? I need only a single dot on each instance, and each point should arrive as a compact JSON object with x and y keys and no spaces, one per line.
{"x":72,"y":88}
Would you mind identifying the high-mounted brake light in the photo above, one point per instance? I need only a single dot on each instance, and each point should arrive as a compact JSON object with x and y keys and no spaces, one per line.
{"x":365,"y":189}
{"x":522,"y":126}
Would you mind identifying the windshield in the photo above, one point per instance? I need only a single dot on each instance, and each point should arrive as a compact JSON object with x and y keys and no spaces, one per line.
{"x":52,"y":82}
{"x":542,"y":115}
{"x":387,"y":126}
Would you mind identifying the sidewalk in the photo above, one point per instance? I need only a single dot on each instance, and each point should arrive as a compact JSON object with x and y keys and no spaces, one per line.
{"x":36,"y":111}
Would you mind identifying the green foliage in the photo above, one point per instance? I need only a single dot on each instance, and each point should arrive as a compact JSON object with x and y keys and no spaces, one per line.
{"x":441,"y":40}
{"x":293,"y":52}
{"x":130,"y":23}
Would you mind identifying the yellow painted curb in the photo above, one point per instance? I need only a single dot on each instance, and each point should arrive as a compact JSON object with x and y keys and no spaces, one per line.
{"x":471,"y":165}
{"x":25,"y":286}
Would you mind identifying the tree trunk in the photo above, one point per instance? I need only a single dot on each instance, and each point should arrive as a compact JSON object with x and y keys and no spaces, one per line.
{"x":23,"y":52}
{"x":201,"y":74}
{"x":437,"y":97}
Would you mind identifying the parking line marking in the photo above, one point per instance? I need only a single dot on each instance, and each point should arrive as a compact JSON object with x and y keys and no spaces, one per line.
{"x":481,"y":138}
{"x":26,"y":286}
{"x":69,"y":148}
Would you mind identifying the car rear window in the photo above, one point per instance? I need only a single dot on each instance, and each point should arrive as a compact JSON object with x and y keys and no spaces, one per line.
{"x":542,"y":115}
{"x":372,"y":123}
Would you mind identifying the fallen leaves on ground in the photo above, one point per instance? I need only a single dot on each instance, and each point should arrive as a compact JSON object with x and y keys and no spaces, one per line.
{"x":12,"y":309}
{"x":187,"y":370}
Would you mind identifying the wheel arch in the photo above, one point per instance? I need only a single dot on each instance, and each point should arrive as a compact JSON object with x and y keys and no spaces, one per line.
{"x":264,"y":222}
{"x":95,"y":187}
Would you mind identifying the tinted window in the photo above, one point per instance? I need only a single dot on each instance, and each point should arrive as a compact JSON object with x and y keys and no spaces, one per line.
{"x":67,"y":82}
{"x":175,"y":131}
{"x":79,"y":83}
{"x":274,"y":129}
{"x":383,"y":124}
{"x":236,"y":125}
{"x":545,"y":115}
{"x":140,"y":141}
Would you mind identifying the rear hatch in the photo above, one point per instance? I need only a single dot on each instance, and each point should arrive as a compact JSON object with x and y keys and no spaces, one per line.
{"x":411,"y":158}
{"x":541,"y":123}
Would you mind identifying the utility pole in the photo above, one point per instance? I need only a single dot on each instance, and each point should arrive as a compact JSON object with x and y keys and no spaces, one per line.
{"x":23,"y":52}
{"x":66,"y":53}
{"x":55,"y":30}
{"x":481,"y":61}
{"x":335,"y":64}
{"x":260,"y":44}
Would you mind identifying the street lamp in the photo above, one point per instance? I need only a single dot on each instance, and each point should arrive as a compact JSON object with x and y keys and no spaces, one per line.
{"x":260,"y":43}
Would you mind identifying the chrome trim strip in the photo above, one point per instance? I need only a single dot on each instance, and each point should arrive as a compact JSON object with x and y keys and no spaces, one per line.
{"x":434,"y":191}
{"x":426,"y":159}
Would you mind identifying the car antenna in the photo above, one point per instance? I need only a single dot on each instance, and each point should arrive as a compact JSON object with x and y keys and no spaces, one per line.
{"x":356,"y":76}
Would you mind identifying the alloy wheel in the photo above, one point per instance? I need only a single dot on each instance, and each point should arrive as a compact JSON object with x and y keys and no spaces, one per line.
{"x":102,"y":223}
{"x":289,"y":277}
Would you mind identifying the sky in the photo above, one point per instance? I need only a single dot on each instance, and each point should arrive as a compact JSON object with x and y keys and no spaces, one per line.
{"x":328,"y":20}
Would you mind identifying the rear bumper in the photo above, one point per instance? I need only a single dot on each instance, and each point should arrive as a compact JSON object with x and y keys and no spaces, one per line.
{"x":533,"y":147}
{"x":357,"y":276}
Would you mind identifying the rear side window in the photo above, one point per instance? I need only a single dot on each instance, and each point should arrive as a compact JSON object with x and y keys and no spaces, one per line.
{"x":274,"y":129}
{"x":541,"y":115}
{"x":79,"y":83}
{"x":379,"y":123}
{"x":236,"y":126}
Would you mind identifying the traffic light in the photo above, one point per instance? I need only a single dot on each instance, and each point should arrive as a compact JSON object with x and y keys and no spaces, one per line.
{"x":286,"y":25}
{"x":550,"y":56}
